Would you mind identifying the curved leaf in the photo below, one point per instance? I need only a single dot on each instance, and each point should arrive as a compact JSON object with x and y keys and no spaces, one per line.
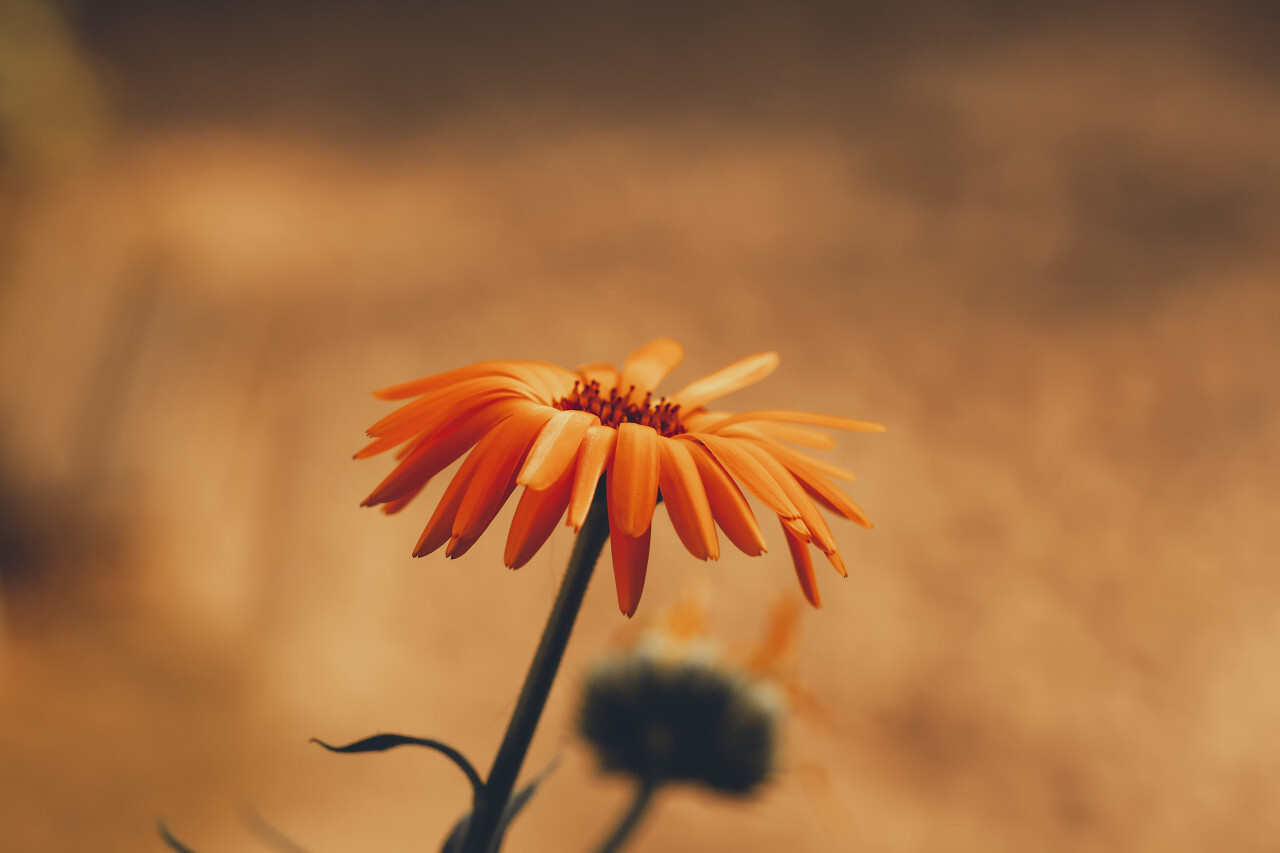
{"x":163,"y":827}
{"x":383,"y":742}
{"x":453,"y":843}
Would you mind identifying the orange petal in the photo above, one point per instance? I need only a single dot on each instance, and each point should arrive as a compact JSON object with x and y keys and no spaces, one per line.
{"x":429,"y":411}
{"x":535,"y":518}
{"x":459,"y":545}
{"x":686,"y":499}
{"x":789,"y":457}
{"x":633,"y":479}
{"x":797,"y":528}
{"x":543,"y":376}
{"x":595,"y":454}
{"x":700,"y":420}
{"x":550,"y":381}
{"x":555,"y":448}
{"x":395,"y":506}
{"x":428,"y":459}
{"x":728,"y":506}
{"x":649,"y":365}
{"x":418,"y":387}
{"x":494,"y":477}
{"x":786,"y":432}
{"x":440,"y":527}
{"x":630,"y":563}
{"x":822,"y":490}
{"x":599,"y":371}
{"x":438,"y":451}
{"x":811,"y":418}
{"x":738,"y":375}
{"x":379,"y":445}
{"x":810,"y":514}
{"x":775,"y":656}
{"x":804,"y":567}
{"x":838,"y":502}
{"x":745,"y":468}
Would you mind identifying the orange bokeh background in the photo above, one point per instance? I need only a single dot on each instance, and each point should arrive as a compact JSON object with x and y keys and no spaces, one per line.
{"x":1039,"y":245}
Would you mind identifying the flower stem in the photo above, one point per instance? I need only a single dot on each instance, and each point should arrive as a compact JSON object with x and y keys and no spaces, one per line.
{"x":639,"y":805}
{"x":487,"y":816}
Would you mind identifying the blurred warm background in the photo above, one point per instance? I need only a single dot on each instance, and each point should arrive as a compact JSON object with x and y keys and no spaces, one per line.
{"x":1039,"y":243}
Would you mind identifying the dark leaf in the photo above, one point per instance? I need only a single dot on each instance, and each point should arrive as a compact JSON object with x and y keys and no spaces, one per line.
{"x":268,"y":834}
{"x":168,"y":838}
{"x":381,"y":743}
{"x":453,"y":844}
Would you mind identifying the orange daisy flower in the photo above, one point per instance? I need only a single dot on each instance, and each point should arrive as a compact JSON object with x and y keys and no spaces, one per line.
{"x":556,"y":431}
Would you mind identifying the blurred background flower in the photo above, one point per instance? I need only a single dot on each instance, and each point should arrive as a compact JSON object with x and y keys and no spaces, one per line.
{"x":1037,"y":241}
{"x":673,"y":709}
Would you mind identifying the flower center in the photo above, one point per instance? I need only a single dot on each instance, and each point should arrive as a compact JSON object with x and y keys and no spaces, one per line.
{"x":614,"y":408}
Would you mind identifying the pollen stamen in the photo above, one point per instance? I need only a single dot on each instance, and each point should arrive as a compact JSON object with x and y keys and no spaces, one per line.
{"x":614,"y":408}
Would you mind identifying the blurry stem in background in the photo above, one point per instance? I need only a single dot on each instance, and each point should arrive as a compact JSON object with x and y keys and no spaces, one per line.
{"x":489,"y":807}
{"x":639,"y":806}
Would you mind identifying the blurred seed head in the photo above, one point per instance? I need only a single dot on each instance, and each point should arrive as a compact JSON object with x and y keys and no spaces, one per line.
{"x":673,"y":708}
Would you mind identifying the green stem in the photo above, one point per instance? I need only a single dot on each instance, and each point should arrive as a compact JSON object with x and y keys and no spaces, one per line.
{"x":639,"y":805}
{"x":489,"y":807}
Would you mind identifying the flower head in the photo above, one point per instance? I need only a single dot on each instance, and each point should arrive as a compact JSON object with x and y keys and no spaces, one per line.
{"x":673,"y":707}
{"x":556,"y":432}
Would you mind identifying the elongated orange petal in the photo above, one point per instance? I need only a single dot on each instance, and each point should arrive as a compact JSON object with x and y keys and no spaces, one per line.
{"x":788,"y":456}
{"x":700,"y":420}
{"x":440,"y":527}
{"x":633,"y":479}
{"x":778,"y":431}
{"x":549,"y":381}
{"x":432,"y":422}
{"x":382,"y":445}
{"x":429,"y":411}
{"x":810,"y":514}
{"x":837,"y":501}
{"x":461,"y":544}
{"x":599,"y":371}
{"x":395,"y":506}
{"x":804,"y":567}
{"x":427,"y":384}
{"x":825,"y":492}
{"x":686,"y":499}
{"x":438,"y":451}
{"x":630,"y":563}
{"x":797,"y":528}
{"x":555,"y":448}
{"x":536,"y":373}
{"x":535,"y":518}
{"x":649,"y":365}
{"x":728,"y":506}
{"x":775,"y":656}
{"x":488,"y":487}
{"x":595,"y":454}
{"x":738,"y":375}
{"x":811,"y":418}
{"x":744,"y":468}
